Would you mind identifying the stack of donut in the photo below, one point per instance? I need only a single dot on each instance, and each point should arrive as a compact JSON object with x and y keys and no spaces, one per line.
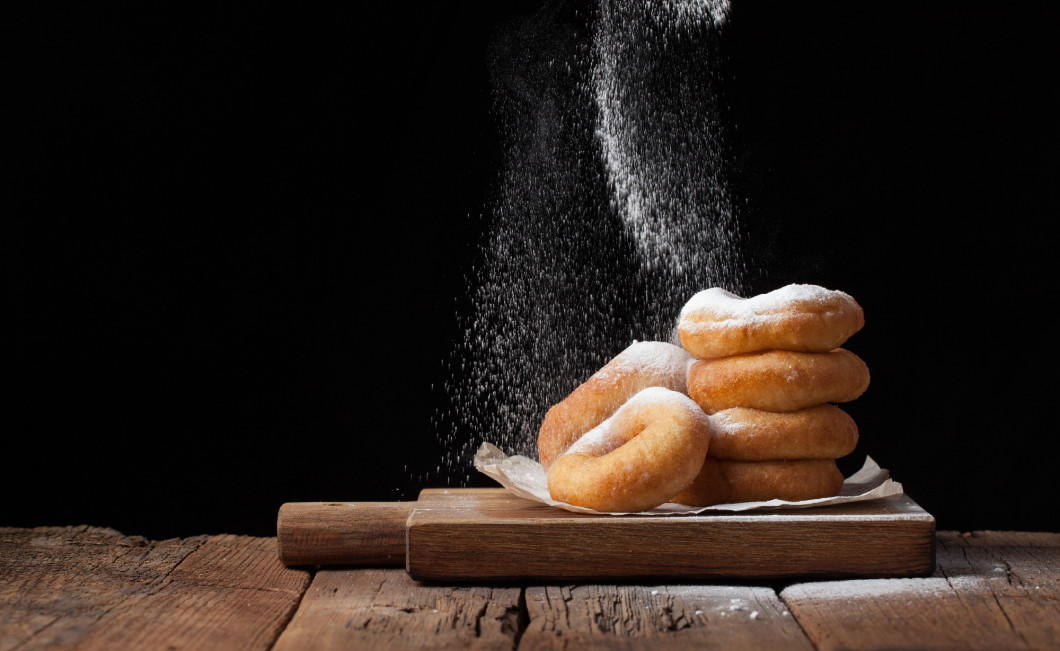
{"x":741,"y":411}
{"x":768,"y":369}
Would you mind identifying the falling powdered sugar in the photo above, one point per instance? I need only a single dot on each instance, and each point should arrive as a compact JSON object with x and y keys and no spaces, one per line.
{"x":658,"y":125}
{"x":611,"y":209}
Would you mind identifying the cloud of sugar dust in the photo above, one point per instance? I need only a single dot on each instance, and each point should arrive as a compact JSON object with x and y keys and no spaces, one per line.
{"x":611,"y":208}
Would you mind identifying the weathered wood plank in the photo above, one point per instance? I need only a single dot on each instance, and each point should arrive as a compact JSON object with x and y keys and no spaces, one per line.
{"x":86,"y":587}
{"x":992,"y":590}
{"x":1021,"y":571}
{"x":654,"y":617}
{"x":56,"y":583}
{"x":231,"y":593}
{"x":96,"y":589}
{"x":385,"y":609}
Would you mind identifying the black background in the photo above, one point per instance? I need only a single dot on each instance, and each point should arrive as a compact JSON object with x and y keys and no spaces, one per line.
{"x":242,"y":237}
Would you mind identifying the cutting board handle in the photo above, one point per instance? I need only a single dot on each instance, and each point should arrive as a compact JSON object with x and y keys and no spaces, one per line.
{"x":342,"y":533}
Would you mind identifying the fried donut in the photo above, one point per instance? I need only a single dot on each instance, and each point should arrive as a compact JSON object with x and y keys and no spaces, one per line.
{"x":818,"y":432}
{"x":730,"y":482}
{"x":643,"y":364}
{"x":644,"y":454}
{"x":807,"y":318}
{"x":777,"y":380}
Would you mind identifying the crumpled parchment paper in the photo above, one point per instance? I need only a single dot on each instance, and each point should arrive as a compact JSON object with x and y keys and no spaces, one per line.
{"x":526,"y":478}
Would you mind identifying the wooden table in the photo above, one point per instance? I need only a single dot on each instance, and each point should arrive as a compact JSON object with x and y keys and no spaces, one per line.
{"x":88,"y":587}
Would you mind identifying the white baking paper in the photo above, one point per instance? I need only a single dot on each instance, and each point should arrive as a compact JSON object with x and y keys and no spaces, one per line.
{"x":526,"y":478}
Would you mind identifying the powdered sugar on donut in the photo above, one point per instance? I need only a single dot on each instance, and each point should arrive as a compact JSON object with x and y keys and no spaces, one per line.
{"x":724,"y":423}
{"x":604,"y":437}
{"x":656,"y":358}
{"x":807,"y":318}
{"x":717,"y":304}
{"x":640,"y":366}
{"x":650,"y":449}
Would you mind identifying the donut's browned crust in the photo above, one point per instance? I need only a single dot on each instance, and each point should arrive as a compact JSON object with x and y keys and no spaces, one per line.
{"x":648,"y":451}
{"x":777,"y":380}
{"x":643,"y":364}
{"x":818,"y":432}
{"x":808,"y":318}
{"x":731,"y":482}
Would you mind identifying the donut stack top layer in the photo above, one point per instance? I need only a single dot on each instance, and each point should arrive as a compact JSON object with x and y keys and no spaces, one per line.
{"x":808,"y":318}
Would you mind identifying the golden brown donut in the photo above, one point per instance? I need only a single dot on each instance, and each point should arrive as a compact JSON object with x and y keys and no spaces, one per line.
{"x":643,"y":364}
{"x":808,"y":318}
{"x":730,"y":482}
{"x":777,"y":380}
{"x":818,"y":432}
{"x":647,"y":452}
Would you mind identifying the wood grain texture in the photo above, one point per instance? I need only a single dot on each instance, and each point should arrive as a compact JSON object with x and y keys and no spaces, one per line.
{"x":367,"y":534}
{"x":57,"y":583}
{"x":991,"y":590}
{"x":342,"y":533}
{"x":95,"y":589}
{"x":497,"y":536}
{"x":385,"y":609}
{"x":659,"y":617}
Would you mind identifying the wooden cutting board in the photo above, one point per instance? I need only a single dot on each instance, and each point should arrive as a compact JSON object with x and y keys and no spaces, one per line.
{"x":489,"y":534}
